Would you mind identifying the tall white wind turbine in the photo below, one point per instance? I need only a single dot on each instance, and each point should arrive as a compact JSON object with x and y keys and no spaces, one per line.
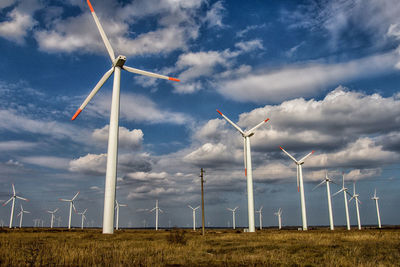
{"x":260,"y":212}
{"x":233,"y":216}
{"x":279,"y":214}
{"x":247,"y":166}
{"x":327,"y":180}
{"x":117,"y":205}
{"x":300,"y":185}
{"x":194,"y":216}
{"x":14,"y":196}
{"x":355,"y":197}
{"x":83,"y":217}
{"x":344,"y":190}
{"x":52,"y":216}
{"x":21,"y":213}
{"x":112,"y":154}
{"x":377,"y":208}
{"x":156,"y":208}
{"x":71,"y":206}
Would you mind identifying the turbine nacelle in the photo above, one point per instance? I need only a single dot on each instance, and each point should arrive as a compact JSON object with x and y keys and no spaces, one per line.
{"x":119,"y":61}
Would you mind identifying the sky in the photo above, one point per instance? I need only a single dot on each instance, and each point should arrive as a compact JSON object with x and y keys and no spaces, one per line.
{"x":326,"y":73}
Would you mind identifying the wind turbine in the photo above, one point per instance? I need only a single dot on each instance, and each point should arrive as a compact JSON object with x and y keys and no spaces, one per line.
{"x":117,"y":205}
{"x":300,"y":185}
{"x":156,"y":208}
{"x":112,"y":154}
{"x":247,"y":166}
{"x":52,"y":216}
{"x":327,"y":180}
{"x":279,"y":214}
{"x":344,"y":190}
{"x":355,"y":197}
{"x":71,"y":205}
{"x":83,"y":217}
{"x":194,"y":216}
{"x":260,"y":212}
{"x":233,"y":216}
{"x":14,"y":196}
{"x":21,"y":213}
{"x":377,"y":208}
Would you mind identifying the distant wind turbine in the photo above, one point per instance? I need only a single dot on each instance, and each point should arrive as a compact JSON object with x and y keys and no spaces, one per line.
{"x":300,"y":186}
{"x":344,"y":190}
{"x":21,"y":213}
{"x":156,"y":208}
{"x":14,"y":196}
{"x":279,"y":214}
{"x":112,"y":154}
{"x":71,"y":205}
{"x":233,"y":216}
{"x":260,"y":212}
{"x":83,"y":217}
{"x":248,"y":172}
{"x":327,"y":180}
{"x":52,"y":216}
{"x":194,"y":216}
{"x":377,"y":208}
{"x":117,"y":205}
{"x":355,"y":197}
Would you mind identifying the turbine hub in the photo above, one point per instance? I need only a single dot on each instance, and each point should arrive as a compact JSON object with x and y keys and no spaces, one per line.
{"x":119,"y":61}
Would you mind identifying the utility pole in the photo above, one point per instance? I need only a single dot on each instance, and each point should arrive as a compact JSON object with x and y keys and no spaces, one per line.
{"x":202,"y":201}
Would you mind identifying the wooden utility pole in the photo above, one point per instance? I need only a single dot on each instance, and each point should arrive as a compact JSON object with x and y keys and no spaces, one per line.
{"x":202,"y":201}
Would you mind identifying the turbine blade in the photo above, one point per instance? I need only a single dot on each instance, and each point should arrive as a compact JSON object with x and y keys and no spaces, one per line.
{"x":13,"y":188}
{"x":341,"y":190}
{"x":160,"y":210}
{"x":257,"y":126}
{"x":93,"y":92}
{"x":75,"y":196}
{"x":318,"y":185}
{"x":22,"y":198}
{"x":231,"y":123}
{"x":102,"y":33}
{"x":354,"y":188}
{"x":152,"y":209}
{"x":150,"y":74}
{"x":73,"y":206}
{"x":290,"y":156}
{"x":197,"y":207}
{"x":375,"y":193}
{"x":298,"y":187}
{"x":245,"y":156}
{"x":84,"y":211}
{"x":190,"y":206}
{"x":5,"y":203}
{"x":123,"y":205}
{"x":65,"y":200}
{"x":55,"y":210}
{"x":306,"y":156}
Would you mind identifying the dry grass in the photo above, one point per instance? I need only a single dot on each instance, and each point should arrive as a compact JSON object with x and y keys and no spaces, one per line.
{"x":31,"y":247}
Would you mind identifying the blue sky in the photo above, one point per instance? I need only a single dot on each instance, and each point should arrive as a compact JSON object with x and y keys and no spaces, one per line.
{"x":326,"y":73}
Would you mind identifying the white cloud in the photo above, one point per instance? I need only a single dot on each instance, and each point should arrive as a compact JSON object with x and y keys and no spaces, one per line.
{"x":91,"y":164}
{"x":303,"y":80}
{"x":247,"y":46}
{"x":127,"y":139}
{"x":211,"y":155}
{"x":242,"y":33}
{"x":47,"y":161}
{"x":16,"y":145}
{"x":214,"y":15}
{"x":146,"y":176}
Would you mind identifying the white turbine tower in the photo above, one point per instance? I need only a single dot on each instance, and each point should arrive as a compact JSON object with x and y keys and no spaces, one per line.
{"x":117,"y":205}
{"x":327,"y":180}
{"x":355,"y":197}
{"x":71,"y":205}
{"x":52,"y":216}
{"x":260,"y":212}
{"x":194,"y":216}
{"x":14,"y":196}
{"x":233,"y":216}
{"x":247,"y":166}
{"x":300,"y":185}
{"x":279,"y":214}
{"x":21,"y":213}
{"x":156,"y":208}
{"x":83,"y":217}
{"x":377,"y":208}
{"x":344,"y":190}
{"x":112,"y":154}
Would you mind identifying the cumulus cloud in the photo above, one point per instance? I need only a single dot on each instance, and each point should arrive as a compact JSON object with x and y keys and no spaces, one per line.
{"x":146,"y":175}
{"x":47,"y":161}
{"x":16,"y":145}
{"x":127,"y":139}
{"x":214,"y":15}
{"x":211,"y":155}
{"x":90,"y":164}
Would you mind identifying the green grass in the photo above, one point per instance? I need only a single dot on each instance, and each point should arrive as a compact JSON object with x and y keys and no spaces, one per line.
{"x":32,"y":247}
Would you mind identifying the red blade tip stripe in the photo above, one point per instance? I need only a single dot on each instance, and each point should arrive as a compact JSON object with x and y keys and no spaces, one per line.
{"x":298,"y":189}
{"x":219,"y":112}
{"x":90,"y":6}
{"x":173,"y":79}
{"x":312,"y":152}
{"x":76,"y":114}
{"x":266,"y":120}
{"x":281,"y":147}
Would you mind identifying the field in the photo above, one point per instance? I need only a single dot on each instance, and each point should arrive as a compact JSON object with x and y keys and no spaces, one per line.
{"x":46,"y":247}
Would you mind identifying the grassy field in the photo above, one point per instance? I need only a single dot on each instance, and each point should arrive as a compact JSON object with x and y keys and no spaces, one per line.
{"x":39,"y":247}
